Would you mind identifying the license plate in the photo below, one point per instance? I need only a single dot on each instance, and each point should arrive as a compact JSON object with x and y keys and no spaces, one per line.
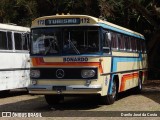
{"x":59,"y":88}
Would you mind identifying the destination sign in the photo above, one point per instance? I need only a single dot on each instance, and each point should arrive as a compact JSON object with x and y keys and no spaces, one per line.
{"x":62,"y":21}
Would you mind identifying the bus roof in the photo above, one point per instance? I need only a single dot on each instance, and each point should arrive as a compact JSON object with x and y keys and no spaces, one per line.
{"x":14,"y":28}
{"x":81,"y":20}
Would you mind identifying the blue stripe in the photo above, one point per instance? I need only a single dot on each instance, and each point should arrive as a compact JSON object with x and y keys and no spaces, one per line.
{"x":120,"y":30}
{"x":115,"y":61}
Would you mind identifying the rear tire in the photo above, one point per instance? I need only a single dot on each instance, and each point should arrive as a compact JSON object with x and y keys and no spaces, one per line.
{"x":138,"y":89}
{"x":53,"y":99}
{"x":110,"y":99}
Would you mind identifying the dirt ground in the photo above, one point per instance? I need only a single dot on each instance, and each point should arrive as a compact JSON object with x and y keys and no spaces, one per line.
{"x":21,"y":101}
{"x":152,"y":84}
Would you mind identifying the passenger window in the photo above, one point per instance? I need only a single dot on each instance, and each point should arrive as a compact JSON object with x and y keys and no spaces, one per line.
{"x":143,"y":47}
{"x":120,"y":42}
{"x":9,"y":39}
{"x":18,"y":41}
{"x":114,"y":41}
{"x":127,"y":43}
{"x":139,"y":45}
{"x":25,"y":41}
{"x":133,"y":44}
{"x":3,"y":40}
{"x":106,"y":42}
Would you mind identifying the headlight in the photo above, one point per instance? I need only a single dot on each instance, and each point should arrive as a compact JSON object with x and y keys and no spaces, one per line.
{"x":88,"y":73}
{"x":34,"y":73}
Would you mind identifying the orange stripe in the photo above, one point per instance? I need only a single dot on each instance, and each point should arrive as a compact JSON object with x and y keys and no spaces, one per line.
{"x":125,"y":78}
{"x":40,"y":62}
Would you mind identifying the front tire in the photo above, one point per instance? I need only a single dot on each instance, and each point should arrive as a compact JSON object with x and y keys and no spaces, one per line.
{"x":110,"y":99}
{"x":4,"y":92}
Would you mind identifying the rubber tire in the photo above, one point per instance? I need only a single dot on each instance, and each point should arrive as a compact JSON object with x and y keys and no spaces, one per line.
{"x":4,"y":92}
{"x":53,"y":99}
{"x":110,"y":99}
{"x":138,"y":89}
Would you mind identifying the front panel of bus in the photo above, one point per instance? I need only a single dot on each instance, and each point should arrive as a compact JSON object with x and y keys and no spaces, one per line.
{"x":68,"y":60}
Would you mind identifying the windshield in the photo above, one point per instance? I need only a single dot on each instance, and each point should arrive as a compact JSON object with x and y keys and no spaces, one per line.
{"x":68,"y":40}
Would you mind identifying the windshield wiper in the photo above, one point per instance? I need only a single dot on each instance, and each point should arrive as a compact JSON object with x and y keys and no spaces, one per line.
{"x":73,"y":46}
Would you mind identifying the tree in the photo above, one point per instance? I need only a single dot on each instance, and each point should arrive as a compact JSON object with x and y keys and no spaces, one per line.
{"x":139,"y":15}
{"x":20,"y":12}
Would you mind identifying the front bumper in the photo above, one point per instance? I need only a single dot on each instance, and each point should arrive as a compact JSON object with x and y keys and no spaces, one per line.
{"x":70,"y":89}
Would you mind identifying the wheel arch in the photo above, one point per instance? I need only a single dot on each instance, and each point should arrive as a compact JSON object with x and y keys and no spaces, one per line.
{"x":116,"y":78}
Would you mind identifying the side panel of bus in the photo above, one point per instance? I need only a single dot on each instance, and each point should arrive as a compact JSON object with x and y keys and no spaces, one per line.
{"x":128,"y":60}
{"x":130,"y":68}
{"x":14,"y":63}
{"x":13,"y":70}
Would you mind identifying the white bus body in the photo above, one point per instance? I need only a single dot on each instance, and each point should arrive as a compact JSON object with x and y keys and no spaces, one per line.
{"x":14,"y":57}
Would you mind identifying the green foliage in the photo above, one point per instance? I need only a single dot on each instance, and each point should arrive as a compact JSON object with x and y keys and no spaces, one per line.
{"x":139,"y":15}
{"x":122,"y":12}
{"x":19,"y":12}
{"x":22,"y":12}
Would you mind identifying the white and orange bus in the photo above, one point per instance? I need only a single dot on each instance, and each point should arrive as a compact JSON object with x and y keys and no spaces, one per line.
{"x":81,"y":55}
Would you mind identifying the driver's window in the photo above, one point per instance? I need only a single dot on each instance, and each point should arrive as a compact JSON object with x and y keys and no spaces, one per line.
{"x":51,"y":44}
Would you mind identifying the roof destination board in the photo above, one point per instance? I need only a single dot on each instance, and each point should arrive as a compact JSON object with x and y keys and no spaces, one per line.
{"x":62,"y":21}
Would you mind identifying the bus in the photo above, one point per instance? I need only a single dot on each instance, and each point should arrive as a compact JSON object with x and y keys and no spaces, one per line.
{"x":84,"y":55}
{"x":14,"y":57}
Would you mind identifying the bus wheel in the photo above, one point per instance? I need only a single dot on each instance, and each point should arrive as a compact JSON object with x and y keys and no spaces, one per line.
{"x":53,"y":99}
{"x":138,"y":89}
{"x":110,"y":99}
{"x":4,"y":92}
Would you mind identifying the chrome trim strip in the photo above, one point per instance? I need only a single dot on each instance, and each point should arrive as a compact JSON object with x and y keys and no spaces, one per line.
{"x":14,"y":69}
{"x":70,"y":87}
{"x":121,"y":72}
{"x":64,"y":67}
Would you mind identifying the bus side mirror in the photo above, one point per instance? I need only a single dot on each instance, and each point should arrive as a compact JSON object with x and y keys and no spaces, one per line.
{"x":107,"y":41}
{"x":108,"y":36}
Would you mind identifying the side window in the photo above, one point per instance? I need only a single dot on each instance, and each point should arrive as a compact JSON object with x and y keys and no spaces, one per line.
{"x":143,"y":47}
{"x":127,"y":43}
{"x":9,"y":41}
{"x":139,"y":48}
{"x":133,"y":44}
{"x":106,"y":41}
{"x":120,"y":42}
{"x":21,"y":41}
{"x":25,"y":41}
{"x":114,"y":41}
{"x":3,"y":40}
{"x":28,"y":40}
{"x":18,"y":41}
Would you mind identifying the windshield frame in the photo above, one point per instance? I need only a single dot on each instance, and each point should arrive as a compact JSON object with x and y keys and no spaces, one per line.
{"x":61,"y":44}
